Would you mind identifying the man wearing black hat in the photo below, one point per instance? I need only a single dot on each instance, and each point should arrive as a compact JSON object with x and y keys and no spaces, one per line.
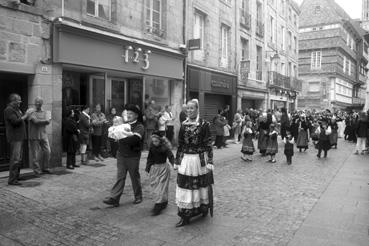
{"x":128,"y":158}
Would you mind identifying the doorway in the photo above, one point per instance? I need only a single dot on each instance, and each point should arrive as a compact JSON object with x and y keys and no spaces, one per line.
{"x":11,"y":83}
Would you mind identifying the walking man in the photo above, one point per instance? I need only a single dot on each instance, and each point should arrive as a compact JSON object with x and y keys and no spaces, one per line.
{"x":15,"y":135}
{"x":39,"y":141}
{"x":128,"y":159}
{"x":169,"y":132}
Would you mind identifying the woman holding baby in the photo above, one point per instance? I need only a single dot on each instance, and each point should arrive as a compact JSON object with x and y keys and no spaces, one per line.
{"x":128,"y":158}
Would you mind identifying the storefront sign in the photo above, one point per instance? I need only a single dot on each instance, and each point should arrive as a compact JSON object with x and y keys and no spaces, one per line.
{"x":220,"y":84}
{"x":92,"y":50}
{"x":136,"y":55}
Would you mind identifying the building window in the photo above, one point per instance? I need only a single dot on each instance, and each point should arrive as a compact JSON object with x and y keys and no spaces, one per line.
{"x":317,"y":10}
{"x":259,"y":62}
{"x":289,"y":40}
{"x":283,"y":33}
{"x":349,"y":67}
{"x":344,"y":64}
{"x":154,"y":12}
{"x":283,"y":68}
{"x":99,"y":8}
{"x":316,"y":60}
{"x":224,"y":31}
{"x":199,"y":33}
{"x":245,"y":49}
{"x":294,"y":19}
{"x":295,"y":44}
{"x":314,"y":86}
{"x":272,"y":30}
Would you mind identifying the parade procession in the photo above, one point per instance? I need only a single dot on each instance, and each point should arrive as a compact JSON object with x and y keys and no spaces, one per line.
{"x":184,"y":122}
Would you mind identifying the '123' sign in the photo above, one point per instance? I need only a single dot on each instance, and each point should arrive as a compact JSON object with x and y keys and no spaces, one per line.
{"x":136,"y":55}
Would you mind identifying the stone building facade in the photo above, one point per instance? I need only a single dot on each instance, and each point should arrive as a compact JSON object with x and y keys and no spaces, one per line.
{"x":86,"y":52}
{"x":281,"y":41}
{"x":211,"y":67}
{"x":329,"y":57}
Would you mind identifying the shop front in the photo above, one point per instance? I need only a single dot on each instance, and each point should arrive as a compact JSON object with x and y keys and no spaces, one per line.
{"x":252,"y":99}
{"x":112,"y":70}
{"x":282,"y":101}
{"x":215,"y":90}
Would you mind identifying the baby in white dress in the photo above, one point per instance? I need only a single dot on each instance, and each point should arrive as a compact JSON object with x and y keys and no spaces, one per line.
{"x":119,"y":130}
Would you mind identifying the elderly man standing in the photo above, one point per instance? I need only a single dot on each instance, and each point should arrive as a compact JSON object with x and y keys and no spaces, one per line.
{"x":15,"y":134}
{"x":39,"y":141}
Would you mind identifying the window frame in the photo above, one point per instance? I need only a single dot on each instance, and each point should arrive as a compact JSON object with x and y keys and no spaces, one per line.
{"x":224,"y":42}
{"x":315,"y":58}
{"x":199,"y":54}
{"x":96,"y":10}
{"x":151,"y":16}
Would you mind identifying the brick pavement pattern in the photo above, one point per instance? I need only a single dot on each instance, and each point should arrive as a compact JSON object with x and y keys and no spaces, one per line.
{"x":256,"y":203}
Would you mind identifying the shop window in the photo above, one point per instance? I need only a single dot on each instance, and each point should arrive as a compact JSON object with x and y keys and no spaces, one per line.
{"x":154,"y":17}
{"x":99,"y":8}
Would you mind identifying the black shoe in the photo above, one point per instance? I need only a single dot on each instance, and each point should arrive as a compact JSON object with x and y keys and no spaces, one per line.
{"x":156,"y":210}
{"x":70,"y":167}
{"x":182,"y":222}
{"x":15,"y":183}
{"x":75,"y":165}
{"x":137,"y":201}
{"x":111,"y":201}
{"x":318,"y":156}
{"x":45,"y":171}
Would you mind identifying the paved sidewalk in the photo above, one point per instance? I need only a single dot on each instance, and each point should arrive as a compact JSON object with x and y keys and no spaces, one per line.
{"x":312,"y":202}
{"x":341,"y":216}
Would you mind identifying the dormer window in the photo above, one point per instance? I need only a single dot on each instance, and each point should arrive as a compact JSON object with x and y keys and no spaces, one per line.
{"x":317,"y":9}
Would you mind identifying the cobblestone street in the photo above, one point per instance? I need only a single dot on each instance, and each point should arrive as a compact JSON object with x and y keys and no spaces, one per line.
{"x":256,"y":203}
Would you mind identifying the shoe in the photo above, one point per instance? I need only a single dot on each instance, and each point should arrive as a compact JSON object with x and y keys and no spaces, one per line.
{"x":15,"y":183}
{"x":75,"y":165}
{"x":137,"y":201}
{"x":45,"y":171}
{"x":101,"y":158}
{"x":111,"y":201}
{"x":362,"y":152}
{"x":96,"y":159}
{"x":356,"y":153}
{"x":182,"y":222}
{"x":243,"y":158}
{"x":318,"y":156}
{"x":156,"y":210}
{"x":273,"y":161}
{"x":70,"y":167}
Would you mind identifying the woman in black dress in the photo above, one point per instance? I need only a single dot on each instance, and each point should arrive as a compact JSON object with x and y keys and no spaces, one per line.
{"x":71,"y":139}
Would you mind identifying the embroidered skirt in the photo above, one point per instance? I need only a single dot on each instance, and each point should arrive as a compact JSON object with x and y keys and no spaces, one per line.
{"x":159,"y":181}
{"x":272,"y":147}
{"x":333,"y":137}
{"x":248,"y":146}
{"x":192,"y":196}
{"x":302,"y":139}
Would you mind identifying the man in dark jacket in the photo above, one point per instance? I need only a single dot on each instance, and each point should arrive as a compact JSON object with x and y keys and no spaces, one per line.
{"x":15,"y":134}
{"x":128,"y":159}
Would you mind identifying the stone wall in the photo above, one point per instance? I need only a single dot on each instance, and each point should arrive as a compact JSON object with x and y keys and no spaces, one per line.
{"x":25,"y":48}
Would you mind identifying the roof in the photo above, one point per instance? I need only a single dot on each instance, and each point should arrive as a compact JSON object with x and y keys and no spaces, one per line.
{"x":331,"y":12}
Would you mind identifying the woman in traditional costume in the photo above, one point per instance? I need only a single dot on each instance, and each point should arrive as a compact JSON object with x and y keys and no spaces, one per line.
{"x":194,"y":161}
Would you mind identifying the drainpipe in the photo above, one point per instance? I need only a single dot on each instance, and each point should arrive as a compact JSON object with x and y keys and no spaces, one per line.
{"x":185,"y":51}
{"x":62,"y":9}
